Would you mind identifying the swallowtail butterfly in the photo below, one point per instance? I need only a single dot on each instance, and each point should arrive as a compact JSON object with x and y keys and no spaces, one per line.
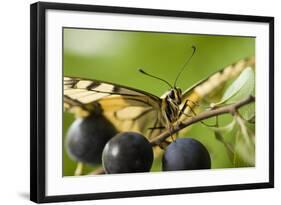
{"x":130,"y":109}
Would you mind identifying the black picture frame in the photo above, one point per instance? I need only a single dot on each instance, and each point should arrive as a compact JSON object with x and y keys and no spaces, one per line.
{"x":38,"y":100}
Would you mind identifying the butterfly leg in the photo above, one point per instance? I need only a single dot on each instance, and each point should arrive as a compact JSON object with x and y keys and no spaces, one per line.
{"x":170,"y":127}
{"x":194,"y":114}
{"x":177,"y":133}
{"x":156,"y":128}
{"x":182,"y":110}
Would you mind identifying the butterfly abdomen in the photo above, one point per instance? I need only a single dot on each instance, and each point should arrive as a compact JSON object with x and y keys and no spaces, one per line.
{"x":169,"y":111}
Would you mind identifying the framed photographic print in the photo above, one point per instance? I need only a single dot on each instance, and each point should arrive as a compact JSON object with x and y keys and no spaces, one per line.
{"x":129,"y":102}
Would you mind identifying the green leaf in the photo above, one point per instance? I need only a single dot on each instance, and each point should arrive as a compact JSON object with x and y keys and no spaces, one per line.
{"x":241,"y":88}
{"x":248,"y":111}
{"x":228,"y":146}
{"x":225,"y":129}
{"x":221,"y":133}
{"x":240,"y":150}
{"x":244,"y":151}
{"x":244,"y":155}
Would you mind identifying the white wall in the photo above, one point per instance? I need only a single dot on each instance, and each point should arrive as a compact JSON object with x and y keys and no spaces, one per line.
{"x":14,"y":100}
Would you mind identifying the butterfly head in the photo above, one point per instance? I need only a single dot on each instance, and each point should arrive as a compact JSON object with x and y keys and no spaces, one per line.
{"x":175,"y":95}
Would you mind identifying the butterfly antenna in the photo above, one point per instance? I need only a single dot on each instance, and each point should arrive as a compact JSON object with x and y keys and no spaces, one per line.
{"x":145,"y":73}
{"x":184,"y":65}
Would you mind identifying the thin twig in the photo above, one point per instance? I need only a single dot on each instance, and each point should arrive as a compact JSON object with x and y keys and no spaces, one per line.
{"x":97,"y":171}
{"x":202,"y":116}
{"x":79,"y":169}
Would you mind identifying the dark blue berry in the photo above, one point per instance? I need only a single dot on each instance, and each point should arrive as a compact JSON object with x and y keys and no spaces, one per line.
{"x":186,"y":154}
{"x":87,"y":137}
{"x":127,"y":152}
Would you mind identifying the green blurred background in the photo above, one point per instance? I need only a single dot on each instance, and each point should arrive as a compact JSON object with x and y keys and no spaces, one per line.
{"x":115,"y":56}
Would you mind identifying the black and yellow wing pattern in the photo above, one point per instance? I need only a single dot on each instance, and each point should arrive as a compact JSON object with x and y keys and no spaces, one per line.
{"x":127,"y":108}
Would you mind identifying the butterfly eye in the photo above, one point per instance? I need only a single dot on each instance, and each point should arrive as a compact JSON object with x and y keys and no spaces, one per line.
{"x":171,"y":95}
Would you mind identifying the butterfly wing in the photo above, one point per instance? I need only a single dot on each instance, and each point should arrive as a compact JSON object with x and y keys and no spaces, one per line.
{"x":208,"y":86}
{"x":127,"y":108}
